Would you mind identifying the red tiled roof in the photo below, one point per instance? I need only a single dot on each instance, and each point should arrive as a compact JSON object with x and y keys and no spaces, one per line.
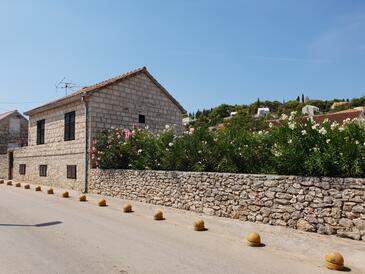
{"x":5,"y":114}
{"x":339,"y":116}
{"x":104,"y":84}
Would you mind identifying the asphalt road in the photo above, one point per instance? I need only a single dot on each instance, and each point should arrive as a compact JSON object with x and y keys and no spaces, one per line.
{"x":42,"y":233}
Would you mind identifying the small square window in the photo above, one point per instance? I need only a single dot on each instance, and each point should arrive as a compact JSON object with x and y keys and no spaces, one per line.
{"x":22,"y":168}
{"x":71,"y":172}
{"x":43,"y":170}
{"x":141,"y":119}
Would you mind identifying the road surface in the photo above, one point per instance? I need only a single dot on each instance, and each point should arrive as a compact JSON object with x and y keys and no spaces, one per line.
{"x":42,"y":233}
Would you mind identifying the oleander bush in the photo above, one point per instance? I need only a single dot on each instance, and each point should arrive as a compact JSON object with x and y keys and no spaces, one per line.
{"x":294,"y":146}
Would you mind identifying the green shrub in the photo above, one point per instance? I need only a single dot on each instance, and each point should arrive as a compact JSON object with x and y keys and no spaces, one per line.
{"x":296,"y":146}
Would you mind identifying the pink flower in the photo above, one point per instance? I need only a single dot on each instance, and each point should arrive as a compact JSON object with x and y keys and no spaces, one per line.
{"x":127,"y":133}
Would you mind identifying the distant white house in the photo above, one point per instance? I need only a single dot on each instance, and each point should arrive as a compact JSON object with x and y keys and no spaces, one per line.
{"x":187,"y":120}
{"x":310,"y":110}
{"x":262,"y":112}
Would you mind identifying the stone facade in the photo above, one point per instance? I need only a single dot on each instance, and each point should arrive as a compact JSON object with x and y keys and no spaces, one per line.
{"x":120,"y":104}
{"x":117,"y":102}
{"x":13,"y":131}
{"x":4,"y":166}
{"x":322,"y":205}
{"x":55,"y":152}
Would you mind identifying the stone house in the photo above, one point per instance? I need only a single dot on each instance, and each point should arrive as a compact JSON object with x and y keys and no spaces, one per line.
{"x":13,"y":133}
{"x":61,"y":132}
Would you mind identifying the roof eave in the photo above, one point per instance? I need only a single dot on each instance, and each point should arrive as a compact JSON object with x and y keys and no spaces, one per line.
{"x":54,"y":105}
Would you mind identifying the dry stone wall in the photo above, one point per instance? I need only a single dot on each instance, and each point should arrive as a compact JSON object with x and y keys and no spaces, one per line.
{"x":322,"y":205}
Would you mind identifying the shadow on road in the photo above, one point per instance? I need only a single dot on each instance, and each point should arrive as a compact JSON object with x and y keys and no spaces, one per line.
{"x":36,"y":225}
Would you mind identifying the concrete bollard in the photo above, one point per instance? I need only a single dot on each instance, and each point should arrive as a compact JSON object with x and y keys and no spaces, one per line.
{"x":102,"y":202}
{"x":38,"y":188}
{"x":199,"y":225}
{"x":26,"y":186}
{"x":9,"y":183}
{"x":127,"y":208}
{"x":82,"y":198}
{"x":1,"y":182}
{"x":334,"y":260}
{"x":65,"y":195}
{"x":158,"y":216}
{"x":253,"y":239}
{"x":50,"y":191}
{"x":18,"y":185}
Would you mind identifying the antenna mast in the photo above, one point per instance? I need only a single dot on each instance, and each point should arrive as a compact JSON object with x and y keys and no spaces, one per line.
{"x":65,"y":85}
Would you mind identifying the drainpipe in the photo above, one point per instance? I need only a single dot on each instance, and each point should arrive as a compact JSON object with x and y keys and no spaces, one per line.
{"x":86,"y":159}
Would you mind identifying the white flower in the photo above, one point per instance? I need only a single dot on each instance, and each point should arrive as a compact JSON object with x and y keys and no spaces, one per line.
{"x":260,"y":132}
{"x":171,"y":144}
{"x":191,"y":129}
{"x":334,"y":125}
{"x":304,"y":132}
{"x":325,"y":120}
{"x":292,"y":126}
{"x":315,"y":126}
{"x":341,"y":128}
{"x":328,"y":140}
{"x":270,"y":125}
{"x":315,"y":148}
{"x":290,"y":141}
{"x":147,"y":127}
{"x":167,"y":126}
{"x":283,"y":117}
{"x":322,"y":131}
{"x":357,"y":142}
{"x":199,"y":151}
{"x":139,"y":151}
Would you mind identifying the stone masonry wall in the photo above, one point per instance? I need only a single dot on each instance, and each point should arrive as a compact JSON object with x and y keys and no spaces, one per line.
{"x":4,"y":166}
{"x":119,"y":105}
{"x":322,"y":205}
{"x":10,"y":138}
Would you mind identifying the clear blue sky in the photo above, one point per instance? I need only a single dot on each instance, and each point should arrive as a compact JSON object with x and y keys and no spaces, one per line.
{"x":204,"y":52}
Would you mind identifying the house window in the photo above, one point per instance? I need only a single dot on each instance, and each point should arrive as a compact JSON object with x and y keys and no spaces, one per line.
{"x":141,"y":119}
{"x":22,"y":168}
{"x":40,"y":131}
{"x":71,"y":172}
{"x":43,"y":170}
{"x":70,"y":126}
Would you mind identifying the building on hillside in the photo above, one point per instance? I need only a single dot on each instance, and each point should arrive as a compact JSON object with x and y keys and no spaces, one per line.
{"x":310,"y":110}
{"x":339,"y":104}
{"x":61,"y":132}
{"x":13,"y":134}
{"x":262,"y":112}
{"x":340,"y":116}
{"x":187,"y":120}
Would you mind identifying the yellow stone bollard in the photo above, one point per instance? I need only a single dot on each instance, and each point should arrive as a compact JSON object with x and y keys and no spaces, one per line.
{"x":253,"y":239}
{"x":102,"y":202}
{"x":127,"y":208}
{"x":65,"y":195}
{"x":334,"y":260}
{"x":199,"y":225}
{"x":26,"y":186}
{"x":38,"y":188}
{"x":50,"y":191}
{"x":82,"y":198}
{"x":18,"y":185}
{"x":158,"y":216}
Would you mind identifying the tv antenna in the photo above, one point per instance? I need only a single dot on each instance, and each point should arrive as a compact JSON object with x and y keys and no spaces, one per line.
{"x":66,"y":85}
